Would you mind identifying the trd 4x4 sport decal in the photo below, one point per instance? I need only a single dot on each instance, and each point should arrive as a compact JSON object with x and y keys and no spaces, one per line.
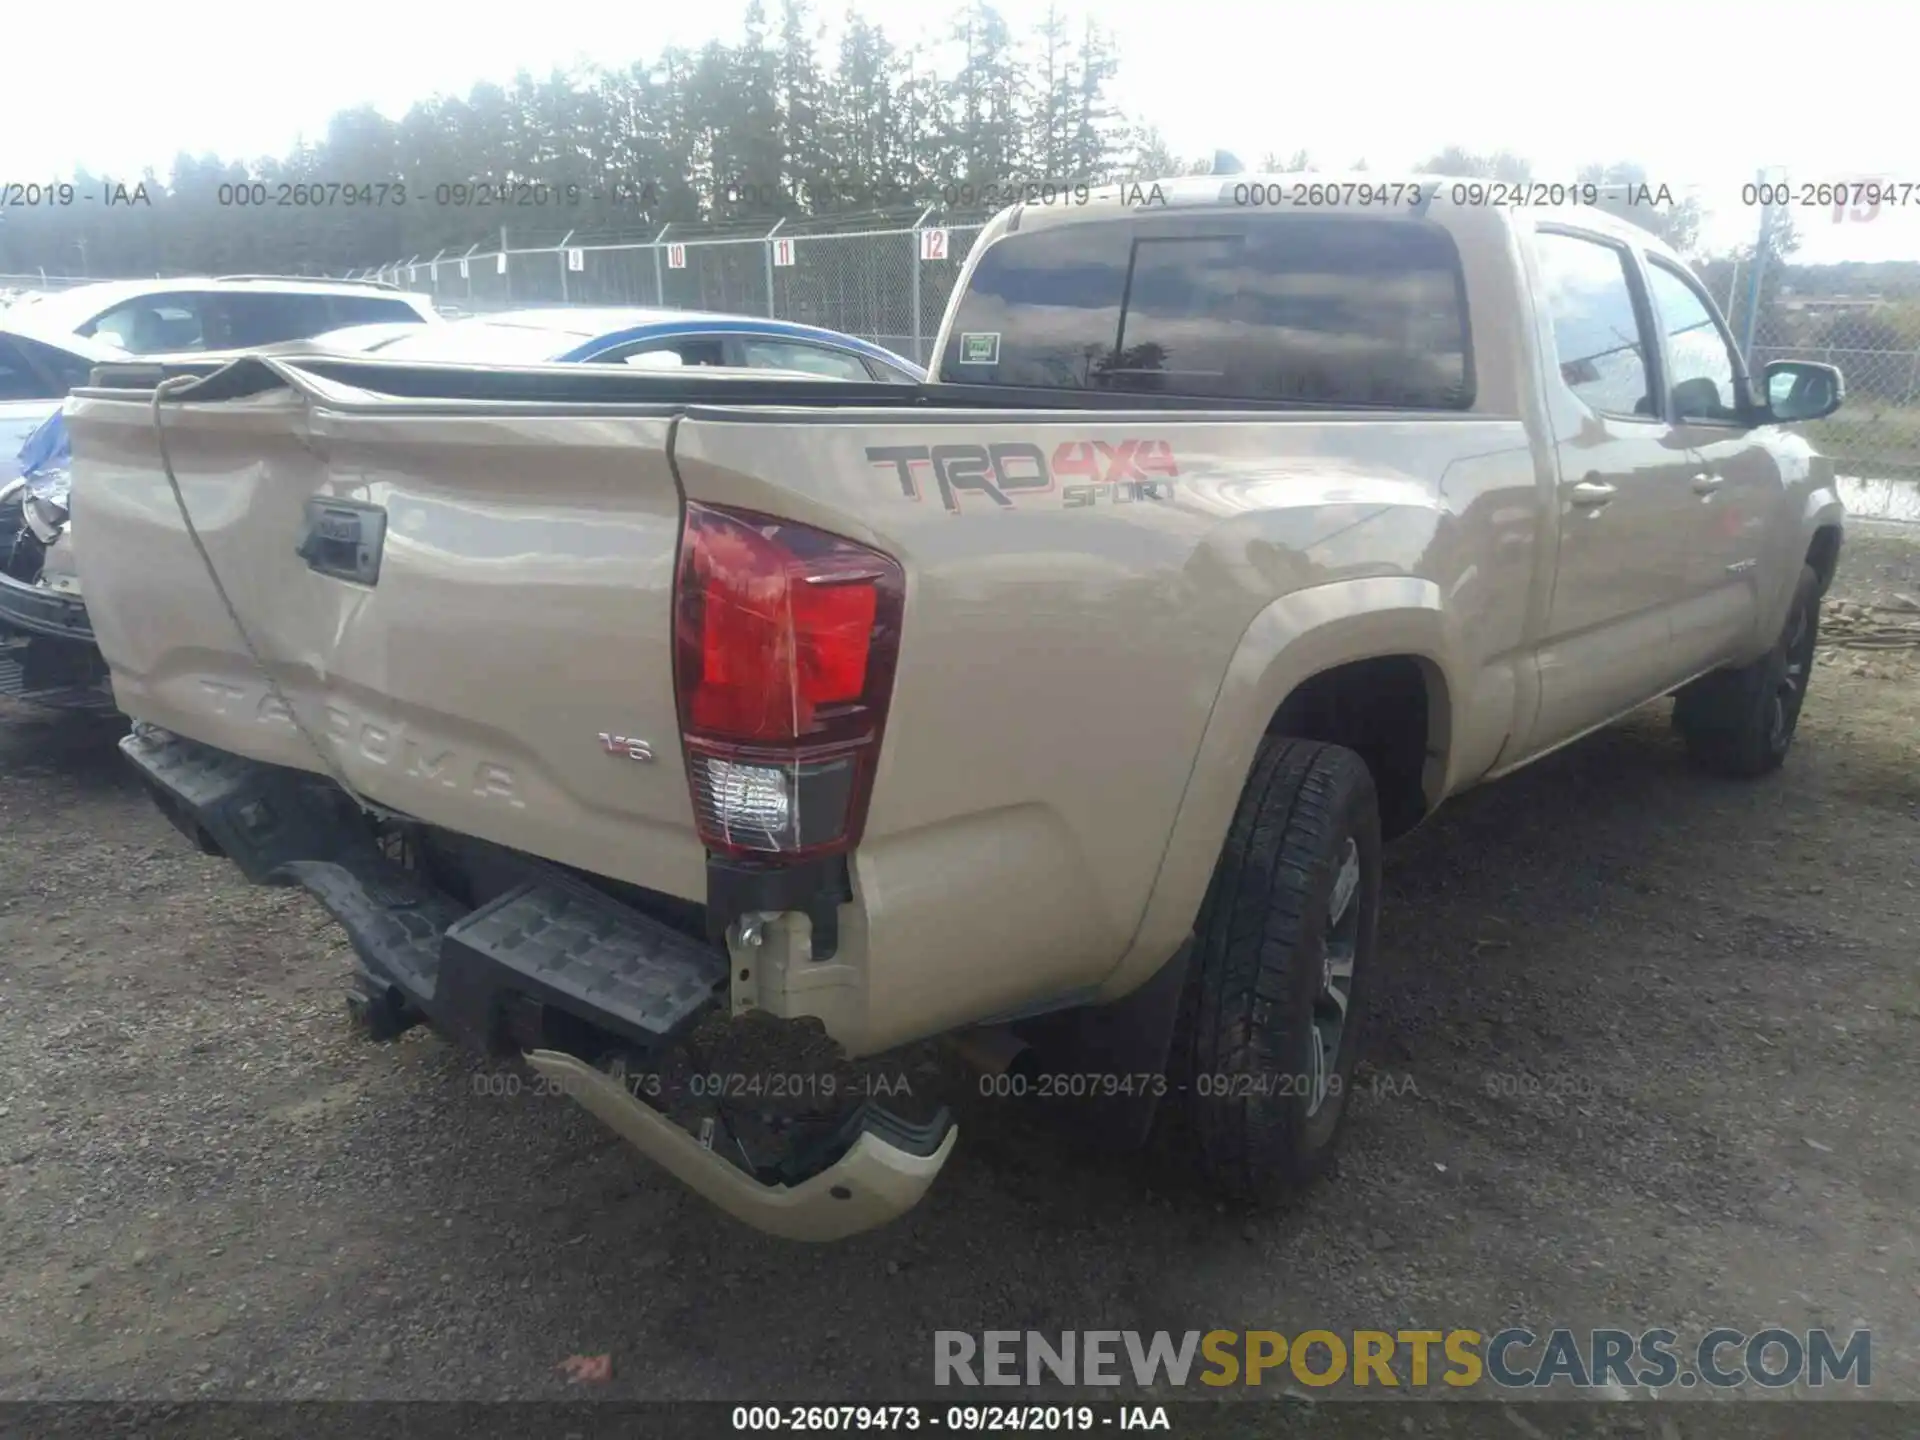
{"x":1103,"y":472}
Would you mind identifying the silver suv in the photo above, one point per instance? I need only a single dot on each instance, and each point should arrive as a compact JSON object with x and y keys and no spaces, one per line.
{"x":229,"y":312}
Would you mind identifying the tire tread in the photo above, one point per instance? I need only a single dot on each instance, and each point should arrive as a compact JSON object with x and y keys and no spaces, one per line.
{"x":1253,"y":924}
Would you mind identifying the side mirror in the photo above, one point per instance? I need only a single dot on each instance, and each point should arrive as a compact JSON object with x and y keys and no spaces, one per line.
{"x":1797,"y":390}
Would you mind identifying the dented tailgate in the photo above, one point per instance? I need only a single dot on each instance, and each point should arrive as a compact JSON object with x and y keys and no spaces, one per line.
{"x":468,"y":607}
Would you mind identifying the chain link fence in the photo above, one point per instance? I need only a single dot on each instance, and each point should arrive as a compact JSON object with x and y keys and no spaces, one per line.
{"x":889,"y":286}
{"x":38,"y":282}
{"x":1863,"y":317}
{"x":41,"y":280}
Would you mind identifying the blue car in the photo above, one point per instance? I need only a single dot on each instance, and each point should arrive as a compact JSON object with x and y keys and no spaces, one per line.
{"x":653,"y":339}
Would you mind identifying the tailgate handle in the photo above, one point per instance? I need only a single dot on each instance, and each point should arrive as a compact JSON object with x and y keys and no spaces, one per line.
{"x":344,"y":538}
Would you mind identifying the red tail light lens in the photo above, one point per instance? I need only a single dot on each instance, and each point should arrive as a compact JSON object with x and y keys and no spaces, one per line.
{"x":784,"y":647}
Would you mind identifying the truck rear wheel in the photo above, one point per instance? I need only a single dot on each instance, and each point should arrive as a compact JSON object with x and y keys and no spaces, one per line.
{"x":1741,"y":722}
{"x":1282,"y":958}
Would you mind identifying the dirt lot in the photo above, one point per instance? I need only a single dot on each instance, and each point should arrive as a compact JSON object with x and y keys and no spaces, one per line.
{"x":1649,"y":1055}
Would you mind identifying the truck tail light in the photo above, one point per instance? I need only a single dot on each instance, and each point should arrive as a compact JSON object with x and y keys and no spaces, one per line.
{"x":785,"y":639}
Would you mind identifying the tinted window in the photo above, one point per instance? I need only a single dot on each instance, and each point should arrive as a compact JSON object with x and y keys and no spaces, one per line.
{"x":1702,"y":365}
{"x":152,"y":324}
{"x":19,"y":380}
{"x":370,"y":310}
{"x":236,"y":321}
{"x":67,"y":368}
{"x":1323,"y":309}
{"x":813,"y":359}
{"x":692,"y":350}
{"x":1602,"y":352}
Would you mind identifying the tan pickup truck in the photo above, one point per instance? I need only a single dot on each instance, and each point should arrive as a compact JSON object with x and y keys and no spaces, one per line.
{"x":1063,"y":703}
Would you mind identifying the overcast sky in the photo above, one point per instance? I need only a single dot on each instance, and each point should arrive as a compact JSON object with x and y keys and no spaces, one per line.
{"x":1700,"y":93}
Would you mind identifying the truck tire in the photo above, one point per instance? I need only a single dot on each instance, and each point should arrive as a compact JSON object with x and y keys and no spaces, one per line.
{"x":1283,"y":952}
{"x":1740,"y":723}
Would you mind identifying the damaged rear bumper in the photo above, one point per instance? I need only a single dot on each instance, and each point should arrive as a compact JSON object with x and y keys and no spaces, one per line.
{"x":551,"y":968}
{"x":882,"y":1174}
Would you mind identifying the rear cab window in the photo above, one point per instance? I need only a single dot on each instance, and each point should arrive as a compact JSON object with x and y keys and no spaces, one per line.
{"x":1311,"y":309}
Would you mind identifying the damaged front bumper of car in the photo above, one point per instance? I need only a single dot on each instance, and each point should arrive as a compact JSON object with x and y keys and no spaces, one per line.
{"x":48,"y":655}
{"x":593,"y":992}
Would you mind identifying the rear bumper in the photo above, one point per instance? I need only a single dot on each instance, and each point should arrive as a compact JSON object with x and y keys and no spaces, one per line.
{"x":36,"y":610}
{"x":550,"y":968}
{"x":881,"y":1175}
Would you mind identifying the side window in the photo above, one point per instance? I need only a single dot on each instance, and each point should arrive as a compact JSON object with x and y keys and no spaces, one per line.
{"x":1703,"y":368}
{"x":1596,"y":332}
{"x":796,"y":355}
{"x":369,"y":310}
{"x":64,"y":366}
{"x":18,"y":379}
{"x":152,"y":324}
{"x":692,"y":351}
{"x":239,"y":320}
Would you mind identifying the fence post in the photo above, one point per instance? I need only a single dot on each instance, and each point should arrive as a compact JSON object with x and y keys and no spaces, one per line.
{"x":659,"y":280}
{"x":769,"y":259}
{"x":919,"y":356}
{"x":468,"y":257}
{"x":561,"y":251}
{"x":507,"y":262}
{"x":1761,"y":244}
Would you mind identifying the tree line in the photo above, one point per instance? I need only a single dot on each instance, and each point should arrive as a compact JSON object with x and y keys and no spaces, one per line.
{"x":723,"y":135}
{"x":726,"y":134}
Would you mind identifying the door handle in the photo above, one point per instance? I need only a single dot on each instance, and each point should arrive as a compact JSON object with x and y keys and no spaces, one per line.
{"x":1590,"y":493}
{"x":1706,"y":483}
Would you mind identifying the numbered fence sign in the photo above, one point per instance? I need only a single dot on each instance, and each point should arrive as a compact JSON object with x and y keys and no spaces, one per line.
{"x":933,"y":244}
{"x":783,"y":252}
{"x":676,"y":257}
{"x":463,"y":271}
{"x":576,"y":259}
{"x":500,"y":263}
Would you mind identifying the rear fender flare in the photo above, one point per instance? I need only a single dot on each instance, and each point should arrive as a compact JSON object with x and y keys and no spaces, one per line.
{"x":1293,"y":639}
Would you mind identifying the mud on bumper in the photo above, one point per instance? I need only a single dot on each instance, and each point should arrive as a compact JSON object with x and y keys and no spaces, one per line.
{"x":551,"y":968}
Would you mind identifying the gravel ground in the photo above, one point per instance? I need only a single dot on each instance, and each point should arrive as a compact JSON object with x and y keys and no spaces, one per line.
{"x":1646,"y":1056}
